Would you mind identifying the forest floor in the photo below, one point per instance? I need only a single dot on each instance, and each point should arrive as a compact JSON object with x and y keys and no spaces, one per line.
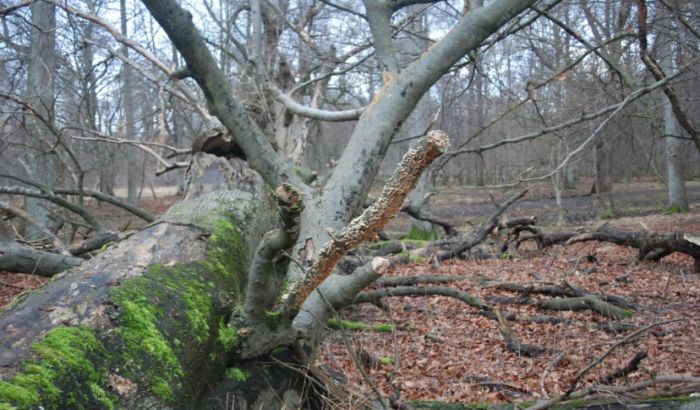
{"x":441,"y":349}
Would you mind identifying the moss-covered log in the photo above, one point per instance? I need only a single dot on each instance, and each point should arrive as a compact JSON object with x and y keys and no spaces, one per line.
{"x":142,"y":325}
{"x":587,"y":302}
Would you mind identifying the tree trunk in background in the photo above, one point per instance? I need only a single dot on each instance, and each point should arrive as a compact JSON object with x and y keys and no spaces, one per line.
{"x":42,"y":163}
{"x":677,"y":199}
{"x":89,"y":119}
{"x":133,"y":173}
{"x":479,"y":166}
{"x":603,"y":182}
{"x":316,"y":154}
{"x":417,"y":123}
{"x":570,"y":177}
{"x":290,"y":129}
{"x":478,"y":123}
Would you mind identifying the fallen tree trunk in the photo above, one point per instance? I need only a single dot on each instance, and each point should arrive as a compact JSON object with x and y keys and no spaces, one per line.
{"x":140,"y":326}
{"x":158,"y":320}
{"x":17,"y":258}
{"x":144,"y":324}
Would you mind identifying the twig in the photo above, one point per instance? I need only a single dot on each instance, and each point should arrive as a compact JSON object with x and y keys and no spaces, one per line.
{"x":583,"y":372}
{"x":549,"y":367}
{"x":632,"y":366}
{"x":11,"y":285}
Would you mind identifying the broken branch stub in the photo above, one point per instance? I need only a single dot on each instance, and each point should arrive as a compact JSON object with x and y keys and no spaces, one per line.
{"x":373,"y":219}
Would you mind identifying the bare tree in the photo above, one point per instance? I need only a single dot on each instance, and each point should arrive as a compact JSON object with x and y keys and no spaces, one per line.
{"x":286,"y":287}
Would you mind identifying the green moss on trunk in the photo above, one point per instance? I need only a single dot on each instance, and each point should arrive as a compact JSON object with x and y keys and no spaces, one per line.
{"x":69,"y":371}
{"x":164,"y":328}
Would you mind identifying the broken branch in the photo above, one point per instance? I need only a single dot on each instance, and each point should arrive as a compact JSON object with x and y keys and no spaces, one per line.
{"x":372,"y":220}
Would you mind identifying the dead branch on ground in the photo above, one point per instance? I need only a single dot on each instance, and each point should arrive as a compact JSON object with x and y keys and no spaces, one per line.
{"x":622,"y":342}
{"x":652,"y":246}
{"x":420,"y":214}
{"x":514,"y":344}
{"x":632,"y":366}
{"x":457,"y":246}
{"x":687,"y":384}
{"x":374,"y":296}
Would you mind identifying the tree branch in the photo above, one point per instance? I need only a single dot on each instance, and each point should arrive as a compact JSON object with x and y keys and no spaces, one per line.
{"x":373,"y":296}
{"x":452,"y":247}
{"x":583,"y":117}
{"x":310,"y":112}
{"x":372,"y":220}
{"x":19,"y":213}
{"x":108,"y":199}
{"x":18,"y":258}
{"x":418,"y":213}
{"x":348,"y":185}
{"x":398,"y":5}
{"x":167,"y":166}
{"x":617,"y":390}
{"x":379,"y":17}
{"x":49,"y":196}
